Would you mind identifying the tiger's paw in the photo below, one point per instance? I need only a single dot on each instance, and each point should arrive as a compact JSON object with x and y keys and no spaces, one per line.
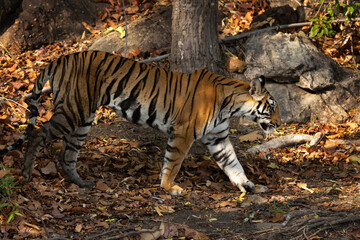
{"x":245,"y":186}
{"x":26,"y":172}
{"x":85,"y":184}
{"x":176,"y":190}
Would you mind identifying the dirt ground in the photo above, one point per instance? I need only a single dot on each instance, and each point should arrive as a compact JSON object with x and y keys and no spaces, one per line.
{"x":313,"y":194}
{"x":312,"y":200}
{"x":127,"y":197}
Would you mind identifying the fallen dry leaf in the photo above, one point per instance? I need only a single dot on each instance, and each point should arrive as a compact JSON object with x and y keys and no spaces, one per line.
{"x":278,"y":217}
{"x":170,"y":230}
{"x":4,"y":172}
{"x":49,"y":169}
{"x":163,"y":209}
{"x":103,"y":224}
{"x":330,"y":146}
{"x":101,"y":185}
{"x":250,"y":137}
{"x":193,"y":234}
{"x":78,"y":227}
{"x":235,"y":65}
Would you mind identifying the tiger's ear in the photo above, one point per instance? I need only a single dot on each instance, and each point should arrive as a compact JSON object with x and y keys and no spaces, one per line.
{"x":257,"y":88}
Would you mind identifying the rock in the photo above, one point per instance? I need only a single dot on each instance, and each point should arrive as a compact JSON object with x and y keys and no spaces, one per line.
{"x":290,"y":58}
{"x":254,"y":199}
{"x":307,"y":84}
{"x":151,"y":32}
{"x":298,"y":105}
{"x":260,"y":188}
{"x":7,"y":8}
{"x":279,"y":3}
{"x":41,"y":22}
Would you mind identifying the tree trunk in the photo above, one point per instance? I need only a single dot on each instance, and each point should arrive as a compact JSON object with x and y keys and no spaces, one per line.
{"x":194,"y":36}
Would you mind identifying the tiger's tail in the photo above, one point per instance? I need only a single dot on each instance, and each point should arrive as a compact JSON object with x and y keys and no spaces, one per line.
{"x":44,"y":76}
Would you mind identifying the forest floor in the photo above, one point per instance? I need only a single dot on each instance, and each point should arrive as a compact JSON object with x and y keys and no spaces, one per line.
{"x":314,"y":192}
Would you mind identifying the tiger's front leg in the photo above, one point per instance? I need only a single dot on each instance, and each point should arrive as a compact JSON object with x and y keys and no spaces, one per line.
{"x":176,"y":149}
{"x":222,"y":150}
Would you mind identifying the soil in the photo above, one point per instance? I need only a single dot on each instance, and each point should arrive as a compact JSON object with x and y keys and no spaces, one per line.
{"x":306,"y":200}
{"x":212,"y":210}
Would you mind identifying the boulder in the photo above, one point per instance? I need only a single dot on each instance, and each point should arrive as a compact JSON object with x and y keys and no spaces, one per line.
{"x":41,"y":22}
{"x":307,"y":84}
{"x":8,"y":8}
{"x":300,"y":106}
{"x":151,"y":32}
{"x":290,"y":58}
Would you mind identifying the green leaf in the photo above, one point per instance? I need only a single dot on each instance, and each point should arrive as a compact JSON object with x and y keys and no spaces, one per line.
{"x":119,"y":29}
{"x":273,"y":166}
{"x":326,"y":31}
{"x":351,"y":10}
{"x":109,"y":30}
{"x":11,"y":217}
{"x":355,"y":159}
{"x":314,"y":20}
{"x":314,"y":31}
{"x":96,"y":120}
{"x":212,"y":219}
{"x":5,"y":205}
{"x":321,"y":33}
{"x":337,"y":5}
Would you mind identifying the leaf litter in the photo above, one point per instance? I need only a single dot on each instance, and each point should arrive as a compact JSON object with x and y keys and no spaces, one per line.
{"x":315,"y":182}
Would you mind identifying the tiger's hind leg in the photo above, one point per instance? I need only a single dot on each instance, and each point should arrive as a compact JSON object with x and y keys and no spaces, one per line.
{"x":176,"y":149}
{"x":37,"y":140}
{"x":69,"y":154}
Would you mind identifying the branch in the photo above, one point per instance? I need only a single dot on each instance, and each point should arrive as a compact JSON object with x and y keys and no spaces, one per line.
{"x":284,"y":26}
{"x":155,"y":59}
{"x":4,"y":100}
{"x":286,"y":141}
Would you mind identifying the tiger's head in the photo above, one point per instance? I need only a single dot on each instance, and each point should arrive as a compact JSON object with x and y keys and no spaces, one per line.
{"x":265,"y":111}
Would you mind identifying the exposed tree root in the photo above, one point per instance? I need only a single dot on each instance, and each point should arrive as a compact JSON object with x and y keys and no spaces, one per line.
{"x":310,"y":227}
{"x":286,"y":141}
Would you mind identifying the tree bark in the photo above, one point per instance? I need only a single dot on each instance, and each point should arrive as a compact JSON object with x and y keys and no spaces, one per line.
{"x":194,"y":41}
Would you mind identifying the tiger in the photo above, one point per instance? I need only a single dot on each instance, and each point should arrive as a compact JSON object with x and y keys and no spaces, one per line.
{"x":187,"y":107}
